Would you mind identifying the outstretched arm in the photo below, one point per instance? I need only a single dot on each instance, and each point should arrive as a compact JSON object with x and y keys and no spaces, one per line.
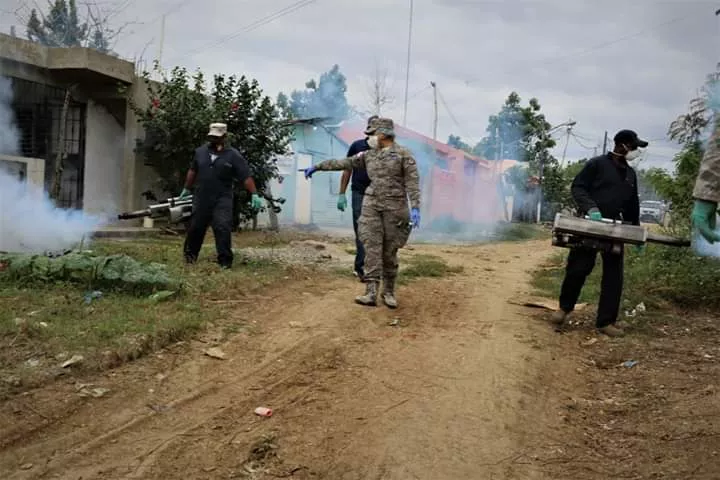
{"x":358,"y":161}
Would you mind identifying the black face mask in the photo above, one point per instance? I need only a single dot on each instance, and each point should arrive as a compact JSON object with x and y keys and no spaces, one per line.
{"x":215,"y":141}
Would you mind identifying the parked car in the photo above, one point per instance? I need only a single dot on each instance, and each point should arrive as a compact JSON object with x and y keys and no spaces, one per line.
{"x":652,"y":211}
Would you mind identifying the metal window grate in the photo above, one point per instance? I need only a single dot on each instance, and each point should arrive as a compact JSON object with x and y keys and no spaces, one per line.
{"x":38,"y":109}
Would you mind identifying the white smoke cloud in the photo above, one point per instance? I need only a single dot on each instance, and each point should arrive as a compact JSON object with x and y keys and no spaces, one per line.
{"x":29,"y":221}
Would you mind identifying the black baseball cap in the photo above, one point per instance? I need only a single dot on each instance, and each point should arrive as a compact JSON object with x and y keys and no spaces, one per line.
{"x":629,"y":138}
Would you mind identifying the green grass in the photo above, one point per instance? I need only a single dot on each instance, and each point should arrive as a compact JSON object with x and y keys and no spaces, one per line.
{"x":664,"y":277}
{"x":426,"y":266}
{"x":520,"y":232}
{"x":51,"y":321}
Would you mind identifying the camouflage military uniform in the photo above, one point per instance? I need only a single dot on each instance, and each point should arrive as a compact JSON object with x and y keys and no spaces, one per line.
{"x":384,"y":225}
{"x":707,"y":184}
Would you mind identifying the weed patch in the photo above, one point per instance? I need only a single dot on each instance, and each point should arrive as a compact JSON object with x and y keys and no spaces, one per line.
{"x":427,"y":266}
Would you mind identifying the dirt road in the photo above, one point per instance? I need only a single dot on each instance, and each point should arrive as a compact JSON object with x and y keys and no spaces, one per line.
{"x":450,"y":386}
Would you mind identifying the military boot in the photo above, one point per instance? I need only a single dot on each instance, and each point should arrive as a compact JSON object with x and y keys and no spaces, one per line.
{"x":388,"y":295}
{"x":370,"y":297}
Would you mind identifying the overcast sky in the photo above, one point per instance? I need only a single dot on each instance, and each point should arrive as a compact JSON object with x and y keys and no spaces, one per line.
{"x":606,"y":64}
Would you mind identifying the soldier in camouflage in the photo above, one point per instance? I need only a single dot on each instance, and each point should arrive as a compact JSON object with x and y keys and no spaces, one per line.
{"x":385,"y":222}
{"x":707,"y":190}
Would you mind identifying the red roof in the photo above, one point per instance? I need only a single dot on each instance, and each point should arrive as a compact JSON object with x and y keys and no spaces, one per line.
{"x":353,"y":131}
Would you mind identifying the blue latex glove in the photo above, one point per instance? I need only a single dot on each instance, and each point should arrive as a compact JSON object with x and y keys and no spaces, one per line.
{"x":342,"y":202}
{"x":308,"y":172}
{"x":595,"y":214}
{"x":704,"y":219}
{"x":415,"y":217}
{"x":184,"y":194}
{"x":255,"y":202}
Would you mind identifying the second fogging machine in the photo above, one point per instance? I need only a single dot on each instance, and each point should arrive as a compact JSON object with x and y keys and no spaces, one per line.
{"x":178,"y":210}
{"x":606,"y":235}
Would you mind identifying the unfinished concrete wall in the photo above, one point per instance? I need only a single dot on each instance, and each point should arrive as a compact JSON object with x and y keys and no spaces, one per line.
{"x":31,"y":170}
{"x":104,"y":158}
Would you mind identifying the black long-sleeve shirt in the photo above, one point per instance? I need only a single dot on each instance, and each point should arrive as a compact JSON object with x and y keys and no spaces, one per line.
{"x":360,"y":178}
{"x":609,"y":184}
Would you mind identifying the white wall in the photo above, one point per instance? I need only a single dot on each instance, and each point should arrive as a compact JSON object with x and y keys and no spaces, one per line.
{"x":33,"y":168}
{"x":303,"y":193}
{"x":104,"y":157}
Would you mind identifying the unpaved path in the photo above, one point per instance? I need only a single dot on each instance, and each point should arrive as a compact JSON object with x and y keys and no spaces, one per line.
{"x":450,"y":386}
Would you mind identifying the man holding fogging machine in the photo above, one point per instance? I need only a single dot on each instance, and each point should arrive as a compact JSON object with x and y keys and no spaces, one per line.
{"x":605,"y":188}
{"x":211,"y":173}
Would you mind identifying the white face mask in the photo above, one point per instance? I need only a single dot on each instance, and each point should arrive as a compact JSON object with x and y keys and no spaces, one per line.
{"x":633,"y":155}
{"x":373,"y":142}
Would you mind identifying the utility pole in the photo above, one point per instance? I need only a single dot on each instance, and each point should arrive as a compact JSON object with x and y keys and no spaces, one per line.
{"x":570,"y":123}
{"x":435,"y":110}
{"x":567,"y":142}
{"x":162,"y":41}
{"x":407,"y":68}
{"x":605,"y":143}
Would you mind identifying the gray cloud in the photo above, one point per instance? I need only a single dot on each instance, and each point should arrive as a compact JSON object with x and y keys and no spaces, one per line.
{"x":608,"y":65}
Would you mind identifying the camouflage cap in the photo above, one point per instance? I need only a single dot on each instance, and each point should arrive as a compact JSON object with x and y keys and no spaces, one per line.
{"x":371,"y":125}
{"x":385,"y":126}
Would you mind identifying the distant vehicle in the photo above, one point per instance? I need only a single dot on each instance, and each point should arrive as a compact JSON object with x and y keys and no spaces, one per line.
{"x":652,"y":211}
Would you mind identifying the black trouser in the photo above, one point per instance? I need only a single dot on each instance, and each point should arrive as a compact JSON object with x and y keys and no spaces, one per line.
{"x":218,"y":215}
{"x":580,"y":264}
{"x":357,"y":200}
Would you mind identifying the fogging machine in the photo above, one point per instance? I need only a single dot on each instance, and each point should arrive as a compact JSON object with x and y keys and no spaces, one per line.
{"x":179,"y":210}
{"x":176,"y":209}
{"x":606,"y":235}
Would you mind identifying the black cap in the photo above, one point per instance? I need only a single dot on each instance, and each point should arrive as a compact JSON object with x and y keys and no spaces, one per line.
{"x":629,"y":138}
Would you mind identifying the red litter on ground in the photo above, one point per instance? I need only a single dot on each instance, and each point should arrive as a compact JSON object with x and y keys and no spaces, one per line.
{"x":263,"y":412}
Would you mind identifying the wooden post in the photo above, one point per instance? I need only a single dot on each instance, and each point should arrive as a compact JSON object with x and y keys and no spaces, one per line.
{"x":61,"y":149}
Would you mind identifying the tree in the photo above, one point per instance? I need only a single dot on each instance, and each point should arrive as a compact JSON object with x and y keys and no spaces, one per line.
{"x":379,"y":91}
{"x":324,"y":98}
{"x":456,"y":142}
{"x":62,"y":27}
{"x":689,"y":127}
{"x":180,"y":110}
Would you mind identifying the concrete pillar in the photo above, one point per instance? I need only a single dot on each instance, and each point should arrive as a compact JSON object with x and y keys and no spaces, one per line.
{"x":132,"y":133}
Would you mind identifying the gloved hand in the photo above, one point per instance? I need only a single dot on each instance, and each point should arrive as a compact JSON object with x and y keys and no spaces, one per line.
{"x":255,"y":202}
{"x":704,"y":219}
{"x":184,"y":194}
{"x":342,"y":202}
{"x":308,"y":172}
{"x":415,"y":217}
{"x":595,"y":214}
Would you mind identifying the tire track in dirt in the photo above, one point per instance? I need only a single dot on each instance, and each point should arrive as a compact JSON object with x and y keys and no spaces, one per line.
{"x":447,"y":394}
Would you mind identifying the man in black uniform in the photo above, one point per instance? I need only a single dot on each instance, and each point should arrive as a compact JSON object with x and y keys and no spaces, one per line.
{"x":360,"y":183}
{"x":605,"y":188}
{"x":212,"y":171}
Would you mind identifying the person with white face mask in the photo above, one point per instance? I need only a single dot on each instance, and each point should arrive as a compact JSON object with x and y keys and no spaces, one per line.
{"x":605,"y":188}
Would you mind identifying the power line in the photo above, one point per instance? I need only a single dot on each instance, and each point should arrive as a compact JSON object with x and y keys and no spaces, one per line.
{"x":452,"y":117}
{"x":254,"y":25}
{"x":577,"y":140}
{"x":595,"y":47}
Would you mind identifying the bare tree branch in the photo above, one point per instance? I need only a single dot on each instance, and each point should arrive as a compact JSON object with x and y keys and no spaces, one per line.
{"x":379,"y":90}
